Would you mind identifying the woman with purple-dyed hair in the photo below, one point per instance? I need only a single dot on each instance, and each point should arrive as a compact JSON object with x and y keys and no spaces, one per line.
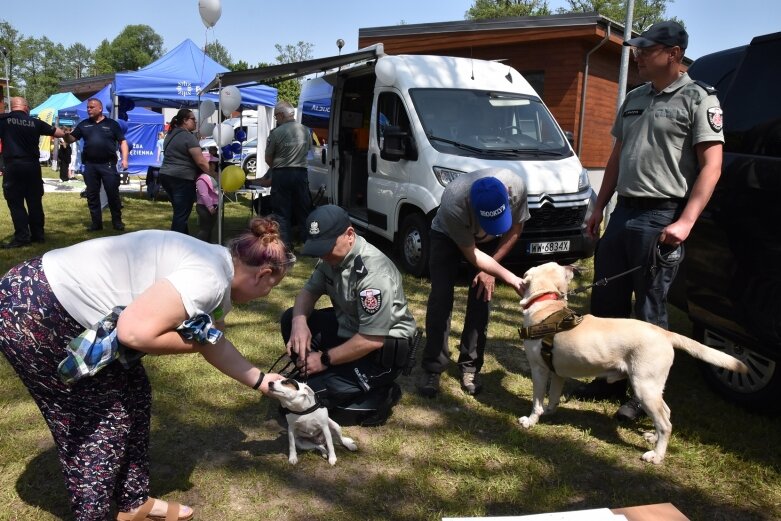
{"x":160,"y":283}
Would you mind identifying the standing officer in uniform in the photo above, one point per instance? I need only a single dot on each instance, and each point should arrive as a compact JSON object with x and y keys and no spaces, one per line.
{"x":22,"y":181}
{"x":479,"y":219}
{"x":286,"y":150}
{"x":664,"y":166}
{"x":102,"y":137}
{"x":353,"y":351}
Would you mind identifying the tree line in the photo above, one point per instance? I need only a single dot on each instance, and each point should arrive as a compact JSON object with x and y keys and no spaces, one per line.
{"x":38,"y":65}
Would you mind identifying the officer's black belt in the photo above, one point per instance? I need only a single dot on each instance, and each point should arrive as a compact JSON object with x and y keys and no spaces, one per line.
{"x":650,"y":203}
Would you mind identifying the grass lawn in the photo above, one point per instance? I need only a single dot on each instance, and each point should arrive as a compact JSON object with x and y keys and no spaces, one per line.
{"x":215,"y":447}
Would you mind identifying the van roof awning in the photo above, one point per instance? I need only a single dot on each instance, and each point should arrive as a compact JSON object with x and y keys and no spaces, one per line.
{"x":287,"y":71}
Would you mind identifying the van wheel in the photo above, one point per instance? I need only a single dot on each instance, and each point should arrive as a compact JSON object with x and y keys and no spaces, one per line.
{"x":413,"y":244}
{"x":756,"y":391}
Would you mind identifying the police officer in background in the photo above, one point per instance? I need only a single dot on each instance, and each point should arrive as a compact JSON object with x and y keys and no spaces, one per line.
{"x":352,"y":352}
{"x":479,"y":220}
{"x":102,"y":138}
{"x":664,"y":167}
{"x":22,"y":180}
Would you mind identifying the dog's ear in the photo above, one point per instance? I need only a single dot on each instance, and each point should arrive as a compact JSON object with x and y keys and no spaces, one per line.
{"x":571,"y":271}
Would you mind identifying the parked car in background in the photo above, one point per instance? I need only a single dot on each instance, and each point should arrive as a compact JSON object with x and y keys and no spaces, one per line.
{"x":730,"y":280}
{"x":248,"y":158}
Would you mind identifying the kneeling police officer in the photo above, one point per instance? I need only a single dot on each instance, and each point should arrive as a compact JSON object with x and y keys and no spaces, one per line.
{"x":352,"y":352}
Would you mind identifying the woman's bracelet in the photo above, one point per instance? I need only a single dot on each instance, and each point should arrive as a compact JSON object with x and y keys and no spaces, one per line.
{"x":260,"y":380}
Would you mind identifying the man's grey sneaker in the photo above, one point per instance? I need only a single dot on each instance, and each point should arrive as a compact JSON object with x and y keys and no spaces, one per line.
{"x":630,"y":411}
{"x":429,"y":385}
{"x":470,"y":383}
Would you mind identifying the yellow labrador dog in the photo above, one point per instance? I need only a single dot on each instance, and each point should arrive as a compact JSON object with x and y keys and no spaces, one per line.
{"x":613,"y":348}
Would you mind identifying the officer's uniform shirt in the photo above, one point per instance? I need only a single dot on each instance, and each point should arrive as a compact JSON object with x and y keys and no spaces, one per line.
{"x":20,"y":133}
{"x":288,"y":145}
{"x":456,"y":217}
{"x":101,"y":140}
{"x":366,"y":293}
{"x":658,"y":131}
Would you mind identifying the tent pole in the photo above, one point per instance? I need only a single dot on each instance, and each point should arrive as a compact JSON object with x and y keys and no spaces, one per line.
{"x":221,"y":201}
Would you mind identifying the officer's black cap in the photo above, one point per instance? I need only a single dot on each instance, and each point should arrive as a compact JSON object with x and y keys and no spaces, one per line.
{"x":670,"y":34}
{"x":323,"y":226}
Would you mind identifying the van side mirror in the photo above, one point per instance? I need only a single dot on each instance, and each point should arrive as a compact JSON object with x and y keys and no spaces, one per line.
{"x":397,"y":144}
{"x":570,"y":137}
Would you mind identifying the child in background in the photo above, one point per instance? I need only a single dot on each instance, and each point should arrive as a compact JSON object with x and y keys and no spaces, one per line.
{"x":207,"y":199}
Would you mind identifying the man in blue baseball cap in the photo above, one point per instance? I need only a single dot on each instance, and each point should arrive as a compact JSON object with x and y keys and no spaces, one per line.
{"x":479,"y":219}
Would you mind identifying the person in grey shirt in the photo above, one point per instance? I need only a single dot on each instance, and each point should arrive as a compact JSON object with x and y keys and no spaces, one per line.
{"x":480,"y":218}
{"x":286,"y":151}
{"x":664,"y":167}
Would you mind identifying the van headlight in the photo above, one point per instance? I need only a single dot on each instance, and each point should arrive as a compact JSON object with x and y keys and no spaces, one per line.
{"x":583,"y":181}
{"x":445,"y":175}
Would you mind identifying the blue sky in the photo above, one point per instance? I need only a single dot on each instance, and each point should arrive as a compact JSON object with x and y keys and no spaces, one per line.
{"x":250,"y":28}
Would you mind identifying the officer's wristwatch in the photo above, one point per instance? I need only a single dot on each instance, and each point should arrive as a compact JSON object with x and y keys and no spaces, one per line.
{"x":325,"y":359}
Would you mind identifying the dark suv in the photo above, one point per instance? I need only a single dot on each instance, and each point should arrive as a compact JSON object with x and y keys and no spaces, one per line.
{"x":730,"y":282}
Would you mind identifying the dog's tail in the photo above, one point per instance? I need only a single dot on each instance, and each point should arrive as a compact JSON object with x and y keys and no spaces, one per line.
{"x":707,"y":354}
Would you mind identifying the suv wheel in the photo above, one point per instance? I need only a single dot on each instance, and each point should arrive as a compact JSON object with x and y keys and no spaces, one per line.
{"x":756,"y":391}
{"x":413,"y":244}
{"x":251,"y":165}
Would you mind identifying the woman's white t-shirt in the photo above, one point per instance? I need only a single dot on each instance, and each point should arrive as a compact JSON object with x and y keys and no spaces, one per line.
{"x":91,"y":278}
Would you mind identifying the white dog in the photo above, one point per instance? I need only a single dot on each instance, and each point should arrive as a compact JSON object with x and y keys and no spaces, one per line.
{"x":604,"y":347}
{"x":308,"y":424}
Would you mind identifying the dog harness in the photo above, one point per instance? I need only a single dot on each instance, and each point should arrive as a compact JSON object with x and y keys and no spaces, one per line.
{"x":562,"y":320}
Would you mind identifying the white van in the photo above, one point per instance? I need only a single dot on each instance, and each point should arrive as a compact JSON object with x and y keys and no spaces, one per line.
{"x":400,"y":128}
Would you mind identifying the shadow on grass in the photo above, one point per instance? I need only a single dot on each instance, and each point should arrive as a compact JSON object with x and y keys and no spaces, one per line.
{"x":539,"y":470}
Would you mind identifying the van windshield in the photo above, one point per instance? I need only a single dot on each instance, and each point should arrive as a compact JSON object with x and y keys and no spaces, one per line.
{"x":488,"y":124}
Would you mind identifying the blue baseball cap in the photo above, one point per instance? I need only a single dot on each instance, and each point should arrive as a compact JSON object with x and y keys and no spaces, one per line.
{"x":491,"y":205}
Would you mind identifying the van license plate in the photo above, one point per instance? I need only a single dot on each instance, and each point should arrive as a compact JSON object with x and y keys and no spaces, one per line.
{"x":548,"y":247}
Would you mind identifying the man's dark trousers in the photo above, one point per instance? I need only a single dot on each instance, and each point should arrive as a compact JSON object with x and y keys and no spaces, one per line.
{"x":96,"y":174}
{"x":22,"y":184}
{"x":290,"y":199}
{"x":628,"y":242}
{"x":445,"y":261}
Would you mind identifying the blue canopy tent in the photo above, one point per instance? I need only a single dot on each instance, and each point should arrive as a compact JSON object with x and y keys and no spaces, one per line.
{"x":56,"y":102}
{"x":79,"y":111}
{"x":143,"y":127}
{"x":177,"y":78}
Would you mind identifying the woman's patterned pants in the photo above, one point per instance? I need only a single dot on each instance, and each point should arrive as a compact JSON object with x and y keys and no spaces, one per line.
{"x":100,"y":424}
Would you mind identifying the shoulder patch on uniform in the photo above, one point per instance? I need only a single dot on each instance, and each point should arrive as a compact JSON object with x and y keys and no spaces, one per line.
{"x":359,"y":268}
{"x":716,"y":118}
{"x":708,"y":88}
{"x":371,"y":300}
{"x":633,"y":112}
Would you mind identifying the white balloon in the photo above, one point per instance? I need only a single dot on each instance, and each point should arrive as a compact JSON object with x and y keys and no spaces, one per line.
{"x":230,"y":99}
{"x":210,"y":11}
{"x":207,"y":128}
{"x":225,"y":135}
{"x":207,"y":108}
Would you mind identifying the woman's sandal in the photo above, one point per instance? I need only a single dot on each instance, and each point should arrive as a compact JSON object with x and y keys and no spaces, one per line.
{"x":142,"y":514}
